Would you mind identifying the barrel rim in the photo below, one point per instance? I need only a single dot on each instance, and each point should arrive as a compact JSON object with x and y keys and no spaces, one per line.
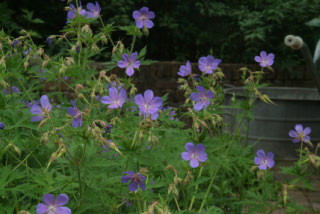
{"x":229,"y":91}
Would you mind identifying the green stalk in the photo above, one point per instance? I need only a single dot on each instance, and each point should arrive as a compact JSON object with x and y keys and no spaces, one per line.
{"x":196,"y":189}
{"x":139,"y":202}
{"x":132,"y":44}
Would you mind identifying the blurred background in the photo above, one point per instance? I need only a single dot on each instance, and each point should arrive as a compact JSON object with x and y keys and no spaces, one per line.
{"x":232,"y":30}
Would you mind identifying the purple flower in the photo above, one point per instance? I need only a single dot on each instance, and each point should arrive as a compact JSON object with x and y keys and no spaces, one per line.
{"x":208,"y":64}
{"x":300,"y":134}
{"x":42,"y":71}
{"x":171,"y":113}
{"x":264,"y":59}
{"x":2,"y":125}
{"x":72,"y":13}
{"x":94,"y":10}
{"x":264,"y":160}
{"x":76,"y":114}
{"x":201,"y":98}
{"x":41,"y":111}
{"x":130,"y":63}
{"x":115,"y":99}
{"x":78,"y":49}
{"x":14,"y":43}
{"x":136,"y":180}
{"x":196,"y":77}
{"x":185,"y":70}
{"x":142,"y":17}
{"x":108,"y":129}
{"x":115,"y":85}
{"x":14,"y":89}
{"x":29,"y":104}
{"x":195,"y":154}
{"x":52,"y":206}
{"x":148,"y":105}
{"x":27,"y":51}
{"x":49,"y":40}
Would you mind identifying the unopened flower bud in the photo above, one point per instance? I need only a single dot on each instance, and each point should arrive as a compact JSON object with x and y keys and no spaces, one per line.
{"x":79,"y":86}
{"x":188,"y":178}
{"x":177,"y":180}
{"x":53,"y":157}
{"x":121,"y":47}
{"x":25,"y":65}
{"x":102,"y":73}
{"x":144,"y":171}
{"x":17,"y":150}
{"x":23,"y":31}
{"x":42,"y":123}
{"x":81,"y":96}
{"x":173,"y":190}
{"x":40,"y":51}
{"x":86,"y":29}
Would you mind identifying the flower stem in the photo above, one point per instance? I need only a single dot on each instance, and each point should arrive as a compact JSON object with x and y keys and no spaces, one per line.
{"x":132,"y":44}
{"x":196,"y":189}
{"x":138,"y":202}
{"x":209,"y":188}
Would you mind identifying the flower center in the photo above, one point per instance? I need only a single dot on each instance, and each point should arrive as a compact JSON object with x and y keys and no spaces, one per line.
{"x":52,"y":209}
{"x":143,"y":18}
{"x":194,"y":156}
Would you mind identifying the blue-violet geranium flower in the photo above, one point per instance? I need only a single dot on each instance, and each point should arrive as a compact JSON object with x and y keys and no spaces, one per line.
{"x":300,"y":134}
{"x":41,"y":111}
{"x":142,"y":17}
{"x":202,"y":98}
{"x":194,"y":154}
{"x":130,"y":63}
{"x":208,"y":64}
{"x":52,"y":206}
{"x":94,"y":10}
{"x":264,"y":161}
{"x":76,"y":114}
{"x":136,"y":180}
{"x":264,"y":60}
{"x":185,"y":70}
{"x":148,"y":105}
{"x":115,"y":99}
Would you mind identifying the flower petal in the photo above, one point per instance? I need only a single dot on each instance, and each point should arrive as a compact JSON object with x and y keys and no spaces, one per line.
{"x":194,"y":163}
{"x":48,"y":199}
{"x":148,"y":23}
{"x":148,"y":96}
{"x":133,"y":186}
{"x":293,"y":133}
{"x":195,"y":96}
{"x":36,"y":118}
{"x":139,"y":100}
{"x":63,"y":210}
{"x":299,"y":128}
{"x":42,"y":209}
{"x":307,"y":131}
{"x":202,"y":157}
{"x":44,"y":100}
{"x":125,"y":179}
{"x":61,"y":199}
{"x":186,"y":156}
{"x":36,"y":109}
{"x":122,"y":64}
{"x":198,"y":106}
{"x":72,"y":111}
{"x":129,"y":71}
{"x":189,"y":147}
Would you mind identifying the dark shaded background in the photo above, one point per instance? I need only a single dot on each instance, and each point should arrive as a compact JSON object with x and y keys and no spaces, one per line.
{"x":232,"y":30}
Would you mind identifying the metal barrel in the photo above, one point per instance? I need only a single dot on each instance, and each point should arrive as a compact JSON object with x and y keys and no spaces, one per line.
{"x":272,"y":123}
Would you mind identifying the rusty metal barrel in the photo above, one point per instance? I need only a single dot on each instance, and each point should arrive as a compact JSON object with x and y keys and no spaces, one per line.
{"x":271,"y":123}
